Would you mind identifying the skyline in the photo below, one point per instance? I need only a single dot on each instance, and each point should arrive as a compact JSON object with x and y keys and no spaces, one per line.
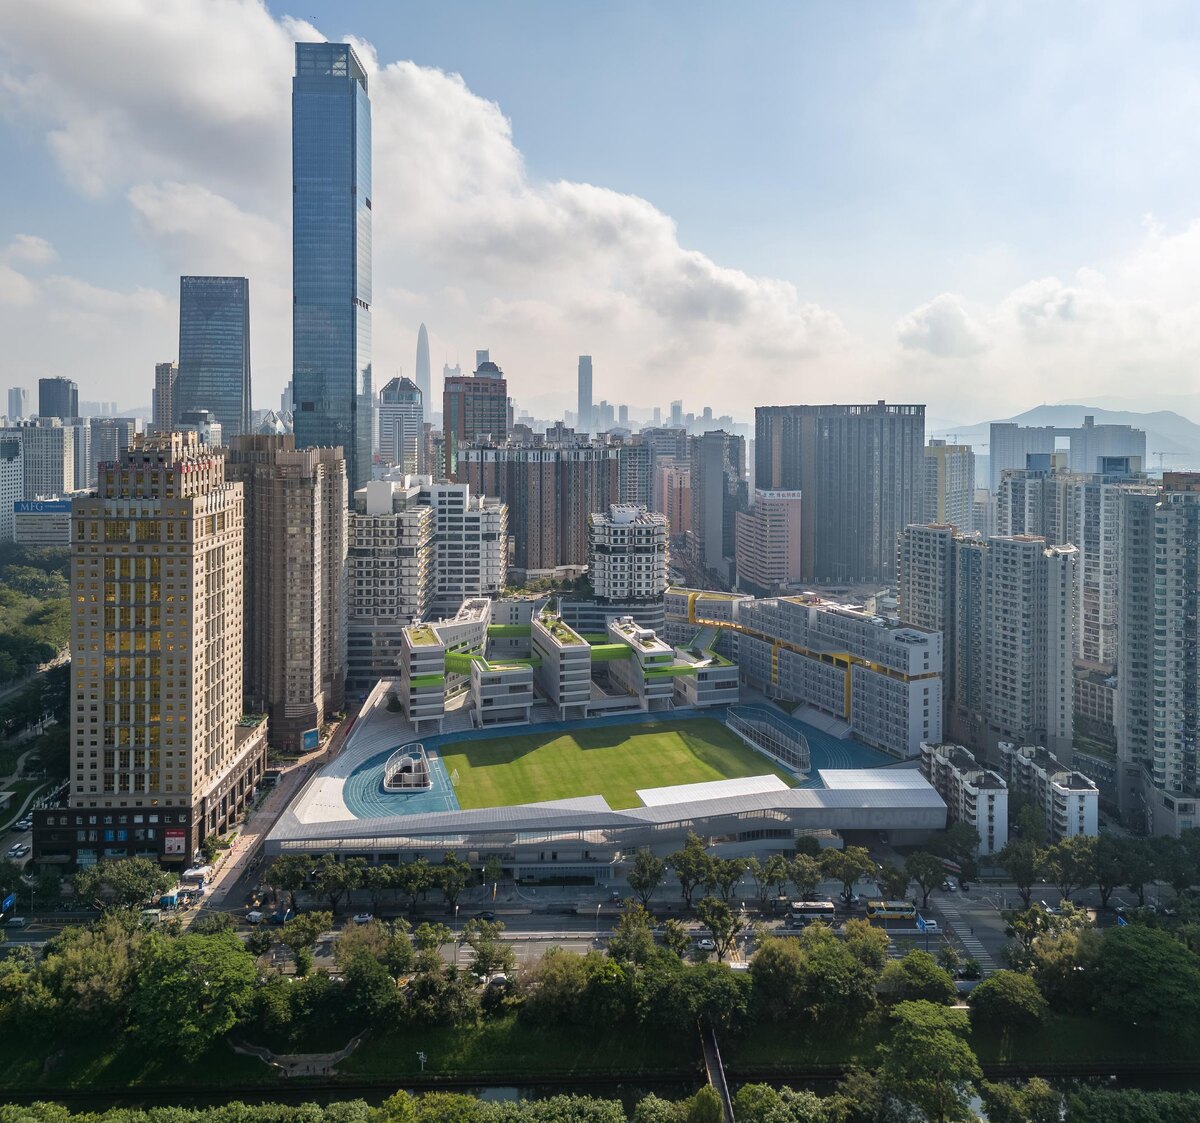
{"x":544,"y":228}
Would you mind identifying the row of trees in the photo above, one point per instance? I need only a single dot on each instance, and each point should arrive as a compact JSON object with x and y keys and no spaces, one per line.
{"x":35,"y":617}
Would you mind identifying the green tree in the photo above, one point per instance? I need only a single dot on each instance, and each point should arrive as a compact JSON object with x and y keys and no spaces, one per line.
{"x":1069,"y":864}
{"x":705,"y":1106}
{"x":378,"y":881}
{"x":927,"y":1062}
{"x":300,"y":933}
{"x":1033,"y":1102}
{"x":190,"y":991}
{"x":927,"y":871}
{"x":335,"y":879}
{"x":490,"y":953}
{"x":1027,"y":924}
{"x":724,"y":875}
{"x":1030,"y":823}
{"x":1139,"y":867}
{"x":805,"y":874}
{"x":493,"y":869}
{"x":453,"y":876}
{"x":432,"y":937}
{"x":848,"y":865}
{"x":1021,"y":860}
{"x":777,"y":872}
{"x":722,"y":921}
{"x":1146,"y":977}
{"x":675,"y":937}
{"x":893,"y":882}
{"x":633,"y":939}
{"x":809,"y":844}
{"x":835,"y":987}
{"x":415,"y":879}
{"x":691,"y":865}
{"x":1007,"y":1000}
{"x":916,"y":978}
{"x":867,"y":944}
{"x":646,"y":875}
{"x":123,"y":884}
{"x":1108,"y":864}
{"x":288,"y":874}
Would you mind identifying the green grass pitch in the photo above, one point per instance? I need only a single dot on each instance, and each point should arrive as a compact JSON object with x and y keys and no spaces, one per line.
{"x":612,"y":761}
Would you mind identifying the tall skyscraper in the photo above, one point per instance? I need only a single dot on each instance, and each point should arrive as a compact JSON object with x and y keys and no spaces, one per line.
{"x":295,"y":578}
{"x":585,"y":394}
{"x":160,"y":759}
{"x":214,"y":351}
{"x":58,"y":397}
{"x":861,"y":471}
{"x":401,"y":440}
{"x":474,"y":407}
{"x":166,"y":376}
{"x":331,"y":255}
{"x":422,"y":368}
{"x":718,"y":481}
{"x":18,"y":403}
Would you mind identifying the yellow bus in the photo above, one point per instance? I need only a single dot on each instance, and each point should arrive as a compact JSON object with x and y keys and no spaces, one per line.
{"x":885,"y":911}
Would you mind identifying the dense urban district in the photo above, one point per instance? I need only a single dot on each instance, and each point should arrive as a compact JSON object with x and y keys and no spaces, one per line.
{"x":395,"y":755}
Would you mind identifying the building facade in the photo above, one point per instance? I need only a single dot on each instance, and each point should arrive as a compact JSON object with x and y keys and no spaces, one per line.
{"x":12,"y":482}
{"x":1012,"y":443}
{"x":401,"y":435}
{"x":628,"y":554}
{"x":718,"y":492}
{"x":18,"y":403}
{"x":474,"y":408}
{"x":58,"y":397}
{"x":974,"y":795}
{"x":214,"y":351}
{"x":166,"y":376}
{"x":47,"y":456}
{"x":331,"y":255}
{"x":421,"y":371}
{"x":584,"y":378}
{"x":949,"y":491}
{"x":42,"y":522}
{"x":768,"y":543}
{"x":1068,"y":800}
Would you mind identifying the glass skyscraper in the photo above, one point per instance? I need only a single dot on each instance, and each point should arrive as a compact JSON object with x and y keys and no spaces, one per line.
{"x":214,"y":351}
{"x":331,"y":254}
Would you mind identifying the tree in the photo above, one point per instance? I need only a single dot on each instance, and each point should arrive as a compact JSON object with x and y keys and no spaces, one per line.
{"x":893,"y":882}
{"x":493,"y":869}
{"x":1027,"y":924}
{"x":808,"y":844}
{"x":1068,"y":865}
{"x":1146,"y":977}
{"x":1034,"y":1102}
{"x":1030,"y":822}
{"x":777,"y":871}
{"x":724,"y":875}
{"x":723,"y":922}
{"x":675,"y":937}
{"x":948,"y":959}
{"x":757,"y":874}
{"x":432,"y":937}
{"x":916,"y":977}
{"x":335,"y":879}
{"x":453,"y":876}
{"x":961,"y":843}
{"x":415,"y":878}
{"x":126,"y":883}
{"x":705,"y":1106}
{"x":927,"y":1061}
{"x":848,"y":865}
{"x":835,"y":987}
{"x":1109,"y":864}
{"x":300,"y":933}
{"x":927,"y":871}
{"x":1020,"y":860}
{"x":760,"y":1103}
{"x":632,"y":941}
{"x":378,"y":880}
{"x":1139,"y":863}
{"x":691,"y":865}
{"x":805,"y":874}
{"x":288,"y":873}
{"x":1007,"y":1000}
{"x":491,"y":954}
{"x":867,"y":943}
{"x":1174,"y":863}
{"x":646,"y":875}
{"x":190,"y":991}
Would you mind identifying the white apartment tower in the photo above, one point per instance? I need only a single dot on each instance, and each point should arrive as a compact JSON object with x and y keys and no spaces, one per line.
{"x":974,"y":795}
{"x":627,"y":553}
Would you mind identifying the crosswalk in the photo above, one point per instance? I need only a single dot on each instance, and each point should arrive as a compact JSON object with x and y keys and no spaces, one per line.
{"x":962,"y":929}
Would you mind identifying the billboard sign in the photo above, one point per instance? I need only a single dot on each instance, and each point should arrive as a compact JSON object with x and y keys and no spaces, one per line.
{"x":312,"y":738}
{"x":174,"y":842}
{"x":41,"y":506}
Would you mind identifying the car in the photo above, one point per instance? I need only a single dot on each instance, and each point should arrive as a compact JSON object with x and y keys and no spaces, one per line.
{"x":705,"y":943}
{"x":363,"y":918}
{"x":280,"y":916}
{"x":931,"y":927}
{"x":614,"y":898}
{"x":18,"y":850}
{"x":948,"y":886}
{"x":24,"y":824}
{"x":485,"y":915}
{"x":254,"y":916}
{"x":15,"y":922}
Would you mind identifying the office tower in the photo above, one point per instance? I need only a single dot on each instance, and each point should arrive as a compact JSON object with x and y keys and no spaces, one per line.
{"x":1012,"y":443}
{"x":166,"y":377}
{"x":627,"y":553}
{"x":47,"y":455}
{"x":12,"y":481}
{"x":110,"y":437}
{"x":768,"y":543}
{"x":295,"y":580}
{"x":676,"y":414}
{"x":718,"y":486}
{"x":331,"y":255}
{"x":623,"y":416}
{"x":214,"y":351}
{"x":204,"y":424}
{"x":422,"y":367}
{"x":549,"y":491}
{"x":584,"y":423}
{"x":673,"y":488}
{"x":1006,"y":606}
{"x":58,"y":397}
{"x":974,"y":795}
{"x":449,"y":371}
{"x":860,"y":469}
{"x":474,"y":407}
{"x":949,"y":492}
{"x":18,"y":404}
{"x":635,"y":484}
{"x":287,"y":398}
{"x":401,"y":438}
{"x":160,"y":759}
{"x":656,"y":415}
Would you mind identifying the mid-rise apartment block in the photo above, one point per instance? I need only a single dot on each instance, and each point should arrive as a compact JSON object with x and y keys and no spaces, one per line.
{"x":1068,"y":800}
{"x":295,"y":574}
{"x":768,"y":543}
{"x":627,"y":553}
{"x":160,"y":755}
{"x":12,"y":482}
{"x":974,"y":795}
{"x":949,"y":491}
{"x":48,"y":456}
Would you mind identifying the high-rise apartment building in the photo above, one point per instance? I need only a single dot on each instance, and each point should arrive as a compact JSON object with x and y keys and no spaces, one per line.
{"x":214,"y":351}
{"x":627,"y":553}
{"x":166,"y":376}
{"x":421,"y":369}
{"x":18,"y":404}
{"x":635,"y":465}
{"x":85,"y":462}
{"x":768,"y":543}
{"x":585,"y":394}
{"x":58,"y":397}
{"x":549,"y":491}
{"x":1036,"y":499}
{"x":949,"y":492}
{"x":861,"y":471}
{"x":718,"y":486}
{"x":295,"y":580}
{"x":47,"y":455}
{"x":12,"y":482}
{"x":160,"y":756}
{"x":401,"y":427}
{"x":470,"y":543}
{"x":474,"y":408}
{"x":331,"y":255}
{"x":673,"y":491}
{"x":1012,"y":443}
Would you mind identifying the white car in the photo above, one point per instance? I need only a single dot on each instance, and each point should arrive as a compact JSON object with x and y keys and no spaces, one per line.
{"x":705,"y":944}
{"x":24,"y":824}
{"x":363,"y":918}
{"x":19,"y":850}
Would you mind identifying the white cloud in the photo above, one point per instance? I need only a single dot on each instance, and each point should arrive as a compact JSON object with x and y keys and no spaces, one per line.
{"x":30,"y":249}
{"x":943,"y":328}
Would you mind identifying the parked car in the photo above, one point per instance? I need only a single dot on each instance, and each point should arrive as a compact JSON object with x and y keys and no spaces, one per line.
{"x":363,"y":918}
{"x":18,"y":850}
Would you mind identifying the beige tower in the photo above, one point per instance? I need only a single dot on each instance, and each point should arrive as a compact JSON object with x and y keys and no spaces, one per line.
{"x":295,"y":561}
{"x":160,"y":758}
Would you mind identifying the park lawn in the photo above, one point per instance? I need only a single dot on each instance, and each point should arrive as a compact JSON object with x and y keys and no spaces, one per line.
{"x":508,"y":1047}
{"x":1078,"y":1038}
{"x":612,"y":761}
{"x":774,"y":1048}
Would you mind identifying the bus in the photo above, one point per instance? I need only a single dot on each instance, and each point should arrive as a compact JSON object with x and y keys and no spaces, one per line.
{"x":809,"y":912}
{"x":885,"y":913}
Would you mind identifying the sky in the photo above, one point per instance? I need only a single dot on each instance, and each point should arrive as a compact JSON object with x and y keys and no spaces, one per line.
{"x":979,"y":206}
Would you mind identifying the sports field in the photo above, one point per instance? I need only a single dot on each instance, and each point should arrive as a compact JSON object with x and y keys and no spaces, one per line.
{"x":612,"y":761}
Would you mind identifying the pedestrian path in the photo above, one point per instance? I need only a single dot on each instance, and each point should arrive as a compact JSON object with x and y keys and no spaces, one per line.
{"x":962,"y":929}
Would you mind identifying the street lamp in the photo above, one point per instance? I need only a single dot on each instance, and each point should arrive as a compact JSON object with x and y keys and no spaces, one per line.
{"x":456,"y":937}
{"x":598,"y":923}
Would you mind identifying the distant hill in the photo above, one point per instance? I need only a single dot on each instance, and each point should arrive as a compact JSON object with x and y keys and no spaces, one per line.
{"x":1166,"y":431}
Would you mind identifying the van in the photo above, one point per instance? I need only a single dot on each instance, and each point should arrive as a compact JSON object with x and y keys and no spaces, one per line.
{"x":254,"y":916}
{"x":931,"y":926}
{"x":15,"y":922}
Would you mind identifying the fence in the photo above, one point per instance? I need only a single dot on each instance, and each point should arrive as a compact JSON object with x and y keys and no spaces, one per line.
{"x":771,"y":737}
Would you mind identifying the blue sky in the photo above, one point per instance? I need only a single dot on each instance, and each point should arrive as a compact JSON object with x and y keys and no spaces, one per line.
{"x":976,"y":205}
